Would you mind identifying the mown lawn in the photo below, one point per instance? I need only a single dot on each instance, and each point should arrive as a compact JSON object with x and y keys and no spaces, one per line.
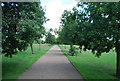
{"x":13,"y":67}
{"x":91,"y":67}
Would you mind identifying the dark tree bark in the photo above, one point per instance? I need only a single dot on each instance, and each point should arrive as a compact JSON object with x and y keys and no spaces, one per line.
{"x":31,"y":45}
{"x":118,"y":59}
{"x":71,"y":48}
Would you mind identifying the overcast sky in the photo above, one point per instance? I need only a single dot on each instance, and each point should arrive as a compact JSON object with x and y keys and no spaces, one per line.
{"x":54,"y":10}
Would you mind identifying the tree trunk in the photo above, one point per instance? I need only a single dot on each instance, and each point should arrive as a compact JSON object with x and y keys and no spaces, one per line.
{"x":31,"y":45}
{"x":71,"y":47}
{"x":118,"y":59}
{"x":39,"y":47}
{"x":65,"y":47}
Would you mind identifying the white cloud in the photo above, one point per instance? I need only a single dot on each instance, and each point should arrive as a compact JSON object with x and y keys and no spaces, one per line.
{"x":54,"y":10}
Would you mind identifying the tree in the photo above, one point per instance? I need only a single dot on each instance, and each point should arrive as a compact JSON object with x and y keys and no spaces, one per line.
{"x":50,"y":38}
{"x":32,"y":22}
{"x":97,"y":28}
{"x":22,"y":24}
{"x":68,"y":31}
{"x":9,"y":30}
{"x":102,"y":29}
{"x":57,"y":34}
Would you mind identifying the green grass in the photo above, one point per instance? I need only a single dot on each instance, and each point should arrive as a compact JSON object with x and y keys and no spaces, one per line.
{"x":13,"y":67}
{"x":91,"y":67}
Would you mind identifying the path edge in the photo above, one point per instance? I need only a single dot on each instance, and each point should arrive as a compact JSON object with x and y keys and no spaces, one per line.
{"x":73,"y":65}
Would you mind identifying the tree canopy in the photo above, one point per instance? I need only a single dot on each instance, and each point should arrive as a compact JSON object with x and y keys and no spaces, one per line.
{"x":93,"y":26}
{"x":22,"y":24}
{"x":50,"y":38}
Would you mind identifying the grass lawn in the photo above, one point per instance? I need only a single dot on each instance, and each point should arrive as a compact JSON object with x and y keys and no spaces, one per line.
{"x":13,"y":67}
{"x":91,"y":67}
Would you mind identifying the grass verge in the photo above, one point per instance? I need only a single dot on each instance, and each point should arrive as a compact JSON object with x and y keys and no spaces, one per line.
{"x":13,"y":67}
{"x":93,"y":68}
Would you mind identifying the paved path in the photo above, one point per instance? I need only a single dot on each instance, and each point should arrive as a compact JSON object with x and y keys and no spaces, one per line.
{"x":53,"y":65}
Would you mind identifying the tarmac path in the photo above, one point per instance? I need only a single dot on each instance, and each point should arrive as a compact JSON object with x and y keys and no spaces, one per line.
{"x":52,"y":65}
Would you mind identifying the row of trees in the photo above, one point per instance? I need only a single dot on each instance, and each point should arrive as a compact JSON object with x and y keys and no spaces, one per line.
{"x":93,"y":26}
{"x":52,"y":36}
{"x":21,"y":25}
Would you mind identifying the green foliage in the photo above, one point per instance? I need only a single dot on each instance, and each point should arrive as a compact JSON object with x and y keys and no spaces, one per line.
{"x":50,"y":38}
{"x":72,"y":50}
{"x":68,"y":31}
{"x":94,"y":26}
{"x":22,"y":24}
{"x":100,"y":29}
